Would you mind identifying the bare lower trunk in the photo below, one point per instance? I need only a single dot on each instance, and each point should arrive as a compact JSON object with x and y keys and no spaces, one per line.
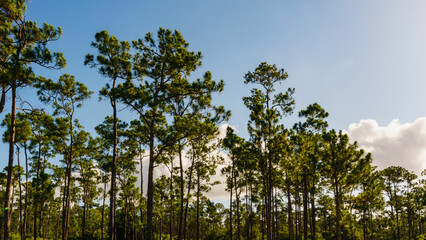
{"x":20,"y":200}
{"x":172,"y":201}
{"x":269,"y":202}
{"x":198,"y":205}
{"x":125,"y":218}
{"x":26,"y":193}
{"x":187,"y":200}
{"x":181,"y":192}
{"x":141,"y":210}
{"x":84,"y":215}
{"x":305,"y":208}
{"x":103,"y":212}
{"x":10,"y":165}
{"x":337,"y":205}
{"x":112,"y":201}
{"x":313,"y":212}
{"x":237,"y":198}
{"x":150,"y":194}
{"x":65,"y":222}
{"x":230,"y":203}
{"x":289,"y":211}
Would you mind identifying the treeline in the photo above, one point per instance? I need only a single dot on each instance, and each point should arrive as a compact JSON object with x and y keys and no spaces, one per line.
{"x":299,"y":182}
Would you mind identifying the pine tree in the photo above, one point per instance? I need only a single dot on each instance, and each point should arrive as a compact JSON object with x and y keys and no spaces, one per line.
{"x":23,"y":44}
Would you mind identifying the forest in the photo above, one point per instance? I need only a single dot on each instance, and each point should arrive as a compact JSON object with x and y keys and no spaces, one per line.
{"x":62,"y":181}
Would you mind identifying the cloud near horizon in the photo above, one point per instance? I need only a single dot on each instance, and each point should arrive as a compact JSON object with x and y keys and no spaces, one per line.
{"x":397,"y":144}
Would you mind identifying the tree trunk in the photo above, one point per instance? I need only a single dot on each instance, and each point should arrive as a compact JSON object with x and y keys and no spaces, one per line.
{"x":84,"y":213}
{"x":103,"y":211}
{"x":36,"y":200}
{"x":313,"y":211}
{"x":141,"y":210}
{"x":20,"y":199}
{"x":237,"y":198}
{"x":181,"y":192}
{"x":337,"y":203}
{"x":397,"y":215}
{"x":42,"y":222}
{"x":26,"y":193}
{"x":57,"y":224}
{"x":269,"y":201}
{"x":198,"y":204}
{"x":251,"y":211}
{"x":289,"y":210}
{"x":135,"y":233}
{"x":67,"y":212}
{"x":172,"y":200}
{"x":305,"y":207}
{"x":112,"y":201}
{"x":125,"y":218}
{"x":10,"y":164}
{"x":3,"y":99}
{"x":230,"y":202}
{"x":187,"y":201}
{"x":150,"y":182}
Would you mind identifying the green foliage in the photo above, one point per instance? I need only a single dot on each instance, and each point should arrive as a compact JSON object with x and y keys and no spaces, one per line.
{"x":301,"y":183}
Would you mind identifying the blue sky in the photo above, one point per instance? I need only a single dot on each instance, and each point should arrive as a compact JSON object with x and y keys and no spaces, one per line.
{"x":358,"y":59}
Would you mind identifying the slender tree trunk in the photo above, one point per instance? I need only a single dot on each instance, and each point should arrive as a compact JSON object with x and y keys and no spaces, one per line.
{"x":269,"y":201}
{"x":420,"y":221}
{"x":42,"y":220}
{"x":313,"y":211}
{"x":26,"y":193}
{"x":273,"y":214}
{"x":150,"y":182}
{"x":48,"y":220}
{"x":230,"y":202}
{"x":103,"y":211}
{"x":37,"y":199}
{"x":247,"y":220}
{"x":181,"y":191}
{"x":112,"y":201}
{"x":265,"y":203}
{"x":68,"y":188}
{"x":141,"y":208}
{"x":397,"y":217}
{"x":251,"y":212}
{"x":125,"y":218}
{"x":277,"y":226}
{"x":187,"y":201}
{"x":20,"y":199}
{"x":161,"y":227}
{"x":84,"y":213}
{"x":364,"y":218}
{"x":237,"y":198}
{"x":11,"y":202}
{"x":172,"y":200}
{"x":10,"y":164}
{"x":57,"y":224}
{"x":289,"y":210}
{"x":337,"y":204}
{"x":135,"y":233}
{"x":297,"y":211}
{"x":198,"y":204}
{"x":305,"y":207}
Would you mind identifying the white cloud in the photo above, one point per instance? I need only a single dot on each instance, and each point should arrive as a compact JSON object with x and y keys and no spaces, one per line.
{"x":402,"y":144}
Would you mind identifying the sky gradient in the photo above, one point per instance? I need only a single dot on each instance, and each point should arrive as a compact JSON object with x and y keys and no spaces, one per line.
{"x":359,"y":60}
